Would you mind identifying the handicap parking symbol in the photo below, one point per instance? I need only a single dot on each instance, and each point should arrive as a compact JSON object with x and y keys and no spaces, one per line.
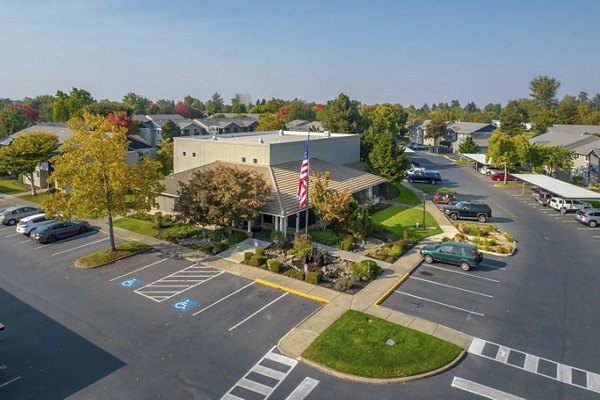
{"x":184,"y":304}
{"x":132,"y":282}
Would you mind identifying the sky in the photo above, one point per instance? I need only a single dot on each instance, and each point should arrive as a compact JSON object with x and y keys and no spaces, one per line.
{"x":375,"y":51}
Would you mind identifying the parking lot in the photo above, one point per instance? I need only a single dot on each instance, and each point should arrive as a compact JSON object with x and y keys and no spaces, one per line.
{"x":148,"y":310}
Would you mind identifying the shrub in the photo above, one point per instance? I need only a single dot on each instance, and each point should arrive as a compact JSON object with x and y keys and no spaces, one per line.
{"x":492,"y":242}
{"x":345,"y":284}
{"x":51,"y":190}
{"x":247,"y":256}
{"x":447,"y":239}
{"x":258,"y":261}
{"x":365,"y":269}
{"x":302,"y":246}
{"x":505,"y":250}
{"x":222,"y":246}
{"x":179,"y":231}
{"x":259,"y":251}
{"x":274,"y":265}
{"x":508,"y":237}
{"x":313,"y":278}
{"x":236,"y":237}
{"x":466,"y":228}
{"x":326,"y":237}
{"x":205,"y":248}
{"x":347,"y":244}
{"x":483,"y":232}
{"x":459,"y":237}
{"x":278,"y":239}
{"x":293,"y":273}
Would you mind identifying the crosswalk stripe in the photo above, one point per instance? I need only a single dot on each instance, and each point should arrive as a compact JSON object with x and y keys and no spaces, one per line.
{"x":255,"y":386}
{"x":271,"y":373}
{"x":303,"y":390}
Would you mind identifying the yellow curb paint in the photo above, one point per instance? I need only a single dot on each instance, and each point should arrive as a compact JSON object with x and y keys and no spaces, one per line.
{"x":390,"y":290}
{"x":293,"y":291}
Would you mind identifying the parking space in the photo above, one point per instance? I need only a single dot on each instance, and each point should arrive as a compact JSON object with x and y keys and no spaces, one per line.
{"x":446,"y":294}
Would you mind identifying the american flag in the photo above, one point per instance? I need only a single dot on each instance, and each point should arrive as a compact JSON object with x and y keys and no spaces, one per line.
{"x":303,"y":182}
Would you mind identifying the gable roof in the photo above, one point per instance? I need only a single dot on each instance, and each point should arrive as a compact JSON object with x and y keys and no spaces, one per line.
{"x":232,"y":115}
{"x":283,"y":180}
{"x":584,"y":145}
{"x":470,"y":127}
{"x":225,"y":122}
{"x":557,"y":138}
{"x":574,"y":129}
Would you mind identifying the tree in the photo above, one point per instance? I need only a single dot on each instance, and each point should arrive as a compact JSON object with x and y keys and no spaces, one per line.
{"x":222,"y":196}
{"x":269,"y":122}
{"x":182,"y":109}
{"x":164,"y":155}
{"x":137,"y":103}
{"x":358,"y":221}
{"x":543,"y":119}
{"x":328,"y":204}
{"x":468,"y":146}
{"x":215,"y":104}
{"x":501,"y":151}
{"x":388,"y":159}
{"x":298,"y":109}
{"x":195,"y":105}
{"x":105,"y":108}
{"x":435,"y":129}
{"x":164,"y":106}
{"x":583,"y":97}
{"x":566,"y":111}
{"x":43,"y":105}
{"x":70,"y":105}
{"x":170,"y":130}
{"x":26,"y":152}
{"x":60,"y":112}
{"x":557,"y":157}
{"x":12,"y":119}
{"x":29,"y":112}
{"x":543,"y":91}
{"x":385,"y":118}
{"x":239,"y":104}
{"x":341,"y":115}
{"x":93,"y":178}
{"x":493,"y":111}
{"x":120,"y":118}
{"x":512,"y":118}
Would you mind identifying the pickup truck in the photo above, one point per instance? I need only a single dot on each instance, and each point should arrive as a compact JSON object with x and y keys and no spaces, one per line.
{"x":423,"y":175}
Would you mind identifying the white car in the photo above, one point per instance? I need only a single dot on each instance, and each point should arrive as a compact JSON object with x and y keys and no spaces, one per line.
{"x":564,"y":205}
{"x":29,"y":224}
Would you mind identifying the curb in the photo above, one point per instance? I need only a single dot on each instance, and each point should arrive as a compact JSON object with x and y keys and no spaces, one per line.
{"x":293,"y":291}
{"x":75,"y":264}
{"x":382,"y":381}
{"x":400,"y":281}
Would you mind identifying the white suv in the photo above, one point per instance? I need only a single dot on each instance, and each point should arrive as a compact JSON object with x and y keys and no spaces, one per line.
{"x":29,"y":224}
{"x":564,"y":205}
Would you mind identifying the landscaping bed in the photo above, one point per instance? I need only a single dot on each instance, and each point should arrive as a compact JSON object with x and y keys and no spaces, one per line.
{"x":107,"y":256}
{"x":356,"y":344}
{"x":486,"y":238}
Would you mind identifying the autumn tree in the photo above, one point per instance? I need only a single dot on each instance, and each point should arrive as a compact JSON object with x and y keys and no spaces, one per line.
{"x":43,"y":106}
{"x":388,"y":159}
{"x":327,"y":203}
{"x":122,"y":119}
{"x":501,"y":151}
{"x":93,"y":178}
{"x":182,"y":109}
{"x":222,"y":196}
{"x":468,"y":146}
{"x":341,"y":115}
{"x":435,"y":129}
{"x":169,"y":130}
{"x":269,"y":122}
{"x":26,"y":152}
{"x":196,"y":107}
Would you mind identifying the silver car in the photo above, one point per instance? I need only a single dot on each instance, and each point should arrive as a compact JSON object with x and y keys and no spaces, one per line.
{"x":53,"y":231}
{"x":31,"y":223}
{"x":12,"y":215}
{"x":589,"y":216}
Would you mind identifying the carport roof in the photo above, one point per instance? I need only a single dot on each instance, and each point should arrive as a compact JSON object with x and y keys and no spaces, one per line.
{"x":558,"y":187}
{"x":480,"y":158}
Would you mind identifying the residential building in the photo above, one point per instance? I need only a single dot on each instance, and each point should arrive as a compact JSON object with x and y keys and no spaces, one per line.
{"x":234,"y":115}
{"x":594,"y":167}
{"x":277,"y":157}
{"x":301,"y":125}
{"x":418,"y":132}
{"x":217,"y":126}
{"x":149,"y":126}
{"x":458,"y":131}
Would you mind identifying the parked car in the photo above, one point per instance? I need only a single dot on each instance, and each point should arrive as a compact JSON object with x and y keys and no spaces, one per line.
{"x":544,"y":198}
{"x":535,"y":193}
{"x":485,"y":170}
{"x":589,"y":216}
{"x":12,"y":215}
{"x":499,"y":176}
{"x":464,"y":255}
{"x":469,"y":210}
{"x":31,"y":223}
{"x":413,"y":165}
{"x":418,"y":146}
{"x":53,"y":231}
{"x":566,"y":205}
{"x":423,"y":175}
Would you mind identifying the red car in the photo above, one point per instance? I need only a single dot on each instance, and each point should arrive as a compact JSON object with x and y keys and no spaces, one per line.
{"x":499,"y":176}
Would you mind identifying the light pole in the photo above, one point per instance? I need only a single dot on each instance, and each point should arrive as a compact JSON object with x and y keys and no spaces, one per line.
{"x":424,"y":199}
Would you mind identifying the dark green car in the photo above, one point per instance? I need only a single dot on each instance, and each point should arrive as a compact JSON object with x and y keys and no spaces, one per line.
{"x":464,"y":255}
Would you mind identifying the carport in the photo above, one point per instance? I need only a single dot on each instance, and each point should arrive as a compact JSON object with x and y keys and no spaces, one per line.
{"x":478,"y":158}
{"x":563,"y":190}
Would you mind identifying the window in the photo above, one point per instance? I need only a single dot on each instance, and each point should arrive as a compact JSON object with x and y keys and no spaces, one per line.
{"x":446,"y":249}
{"x":193,"y":154}
{"x":184,"y":153}
{"x":243,"y":159}
{"x":186,"y":132}
{"x":255,"y":160}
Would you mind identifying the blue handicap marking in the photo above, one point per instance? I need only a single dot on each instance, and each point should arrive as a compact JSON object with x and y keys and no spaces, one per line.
{"x":184,"y":304}
{"x":131,"y":282}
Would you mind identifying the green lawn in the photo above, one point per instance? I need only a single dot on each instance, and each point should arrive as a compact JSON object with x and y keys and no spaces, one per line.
{"x":39,"y":198}
{"x":461,"y":162}
{"x":106,"y":256}
{"x":10,"y":186}
{"x":136,"y":225}
{"x":395,"y":219}
{"x":356,"y":344}
{"x":406,"y":196}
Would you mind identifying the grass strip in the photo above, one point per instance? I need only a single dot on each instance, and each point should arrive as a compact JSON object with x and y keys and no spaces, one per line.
{"x":356,"y":344}
{"x":406,"y":196}
{"x":106,"y":256}
{"x":396,"y":219}
{"x":11,"y":186}
{"x":137,"y":225}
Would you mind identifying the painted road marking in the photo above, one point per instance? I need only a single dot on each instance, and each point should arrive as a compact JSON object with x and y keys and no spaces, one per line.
{"x":461,"y":273}
{"x":224,"y":298}
{"x":9,"y":382}
{"x":452,"y":287}
{"x":483,"y":391}
{"x":7,"y":228}
{"x":79,"y":247}
{"x":440,"y":303}
{"x":139,"y":269}
{"x":129,"y":283}
{"x":178,"y":282}
{"x":253,"y":314}
{"x":184,"y":304}
{"x":303,"y":389}
{"x":492,"y":267}
{"x":25,"y":241}
{"x":12,"y":235}
{"x":536,"y":365}
{"x":285,"y":365}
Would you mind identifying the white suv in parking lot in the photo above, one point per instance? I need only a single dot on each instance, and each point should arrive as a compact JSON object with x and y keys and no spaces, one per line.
{"x":565,"y":205}
{"x":29,"y":224}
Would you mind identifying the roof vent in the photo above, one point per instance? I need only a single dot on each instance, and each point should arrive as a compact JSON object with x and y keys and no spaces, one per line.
{"x":215,"y":137}
{"x":260,"y":140}
{"x":281,"y":132}
{"x":327,"y":133}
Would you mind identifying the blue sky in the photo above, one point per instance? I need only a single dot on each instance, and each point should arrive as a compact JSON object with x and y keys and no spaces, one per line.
{"x":406,"y":52}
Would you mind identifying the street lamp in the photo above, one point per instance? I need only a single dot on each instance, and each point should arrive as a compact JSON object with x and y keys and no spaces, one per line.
{"x":424,"y":199}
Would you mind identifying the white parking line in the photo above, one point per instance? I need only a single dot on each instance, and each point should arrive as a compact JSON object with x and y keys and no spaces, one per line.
{"x":11,"y":381}
{"x":79,"y":247}
{"x":452,"y":287}
{"x":462,"y":273}
{"x":139,"y":269}
{"x":7,"y":228}
{"x":224,"y":298}
{"x":492,"y":267}
{"x":440,"y":303}
{"x":12,"y":235}
{"x":25,"y":241}
{"x":481,"y":390}
{"x":262,"y":308}
{"x":303,"y":389}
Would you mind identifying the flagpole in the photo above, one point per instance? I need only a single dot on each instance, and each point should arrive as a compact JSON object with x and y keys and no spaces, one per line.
{"x":307,"y":180}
